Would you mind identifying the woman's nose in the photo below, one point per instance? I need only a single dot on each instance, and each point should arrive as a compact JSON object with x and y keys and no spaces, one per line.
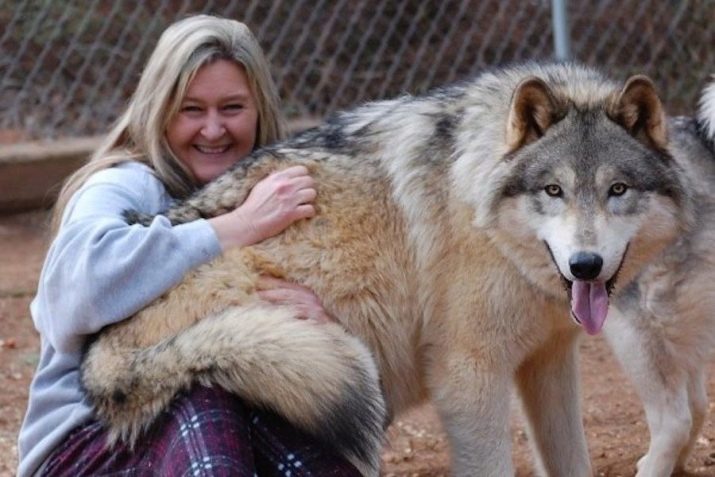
{"x":213,"y":127}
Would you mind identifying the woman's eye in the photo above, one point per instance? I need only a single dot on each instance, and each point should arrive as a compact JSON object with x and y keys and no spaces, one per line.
{"x":553,"y":190}
{"x":233,"y":107}
{"x":617,"y":189}
{"x":190,"y":109}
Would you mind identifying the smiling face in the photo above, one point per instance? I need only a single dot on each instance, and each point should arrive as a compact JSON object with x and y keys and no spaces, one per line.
{"x":217,"y":121}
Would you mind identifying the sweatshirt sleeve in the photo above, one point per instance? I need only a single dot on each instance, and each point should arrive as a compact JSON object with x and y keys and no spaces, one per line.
{"x":99,"y":270}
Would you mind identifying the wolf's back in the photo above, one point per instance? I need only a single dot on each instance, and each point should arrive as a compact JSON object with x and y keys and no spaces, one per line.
{"x":317,"y":377}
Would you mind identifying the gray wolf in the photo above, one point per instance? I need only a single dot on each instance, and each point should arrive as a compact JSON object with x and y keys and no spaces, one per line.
{"x":662,"y":325}
{"x":455,"y":235}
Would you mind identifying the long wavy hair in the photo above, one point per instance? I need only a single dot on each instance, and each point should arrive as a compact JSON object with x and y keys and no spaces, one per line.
{"x":139,"y":133}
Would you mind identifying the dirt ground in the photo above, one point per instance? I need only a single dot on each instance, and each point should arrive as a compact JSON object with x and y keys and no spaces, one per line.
{"x":613,"y":417}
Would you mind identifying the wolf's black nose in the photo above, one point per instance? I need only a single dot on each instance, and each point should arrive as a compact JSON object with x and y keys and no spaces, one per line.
{"x":585,"y":265}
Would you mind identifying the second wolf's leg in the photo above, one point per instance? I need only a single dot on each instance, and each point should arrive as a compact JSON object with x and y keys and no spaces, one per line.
{"x":661,"y":384}
{"x":548,"y":383}
{"x":698,"y":399}
{"x":670,"y":422}
{"x":474,"y":408}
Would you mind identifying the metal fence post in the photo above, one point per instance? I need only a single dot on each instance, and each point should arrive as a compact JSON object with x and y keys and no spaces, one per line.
{"x":562,"y":37}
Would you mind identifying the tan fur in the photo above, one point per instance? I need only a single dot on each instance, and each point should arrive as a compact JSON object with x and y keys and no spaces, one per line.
{"x":408,"y":253}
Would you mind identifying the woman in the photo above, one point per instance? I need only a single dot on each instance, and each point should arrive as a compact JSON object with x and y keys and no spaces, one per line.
{"x":205,"y":100}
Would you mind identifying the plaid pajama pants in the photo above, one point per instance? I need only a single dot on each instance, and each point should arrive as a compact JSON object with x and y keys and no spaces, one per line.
{"x":205,"y":432}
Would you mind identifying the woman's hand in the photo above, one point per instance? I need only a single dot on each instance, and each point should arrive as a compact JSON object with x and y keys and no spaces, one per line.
{"x":299,"y":298}
{"x":273,"y":204}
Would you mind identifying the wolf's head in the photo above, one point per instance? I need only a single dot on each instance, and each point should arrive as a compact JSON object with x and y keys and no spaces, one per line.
{"x":589,"y":192}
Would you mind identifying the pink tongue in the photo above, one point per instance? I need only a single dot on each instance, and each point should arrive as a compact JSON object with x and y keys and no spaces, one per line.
{"x":589,"y":303}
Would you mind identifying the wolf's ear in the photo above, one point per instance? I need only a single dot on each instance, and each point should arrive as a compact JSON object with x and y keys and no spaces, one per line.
{"x":638,"y":109}
{"x":533,"y":110}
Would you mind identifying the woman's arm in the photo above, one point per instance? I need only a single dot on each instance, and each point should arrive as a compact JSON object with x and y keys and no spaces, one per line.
{"x":99,"y":270}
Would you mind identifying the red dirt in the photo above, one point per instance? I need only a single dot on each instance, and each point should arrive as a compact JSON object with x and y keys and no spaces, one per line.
{"x":614,"y":420}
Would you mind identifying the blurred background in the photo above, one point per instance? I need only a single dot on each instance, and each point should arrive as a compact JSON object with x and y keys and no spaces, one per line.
{"x":67,"y":67}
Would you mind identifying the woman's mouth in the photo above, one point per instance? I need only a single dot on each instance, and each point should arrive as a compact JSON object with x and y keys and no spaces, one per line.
{"x":212,"y":149}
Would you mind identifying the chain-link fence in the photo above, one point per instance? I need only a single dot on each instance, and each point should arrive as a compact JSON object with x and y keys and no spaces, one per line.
{"x":68,"y":67}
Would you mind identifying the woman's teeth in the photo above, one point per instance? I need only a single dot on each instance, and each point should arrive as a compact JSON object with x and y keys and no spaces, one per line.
{"x":212,"y":149}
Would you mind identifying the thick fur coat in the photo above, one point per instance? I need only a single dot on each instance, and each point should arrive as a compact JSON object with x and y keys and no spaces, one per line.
{"x":456,"y":233}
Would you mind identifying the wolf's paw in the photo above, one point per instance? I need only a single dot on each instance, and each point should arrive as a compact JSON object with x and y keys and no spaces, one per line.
{"x":650,"y":466}
{"x":643,"y":467}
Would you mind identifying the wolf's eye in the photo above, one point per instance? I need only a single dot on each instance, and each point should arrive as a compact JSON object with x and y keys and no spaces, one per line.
{"x":617,"y":189}
{"x":553,"y":190}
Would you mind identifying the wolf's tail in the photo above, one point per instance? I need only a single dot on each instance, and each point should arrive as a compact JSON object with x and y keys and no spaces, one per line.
{"x":317,"y":377}
{"x":706,"y":112}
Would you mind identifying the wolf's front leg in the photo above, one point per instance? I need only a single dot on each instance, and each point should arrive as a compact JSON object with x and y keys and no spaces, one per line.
{"x":670,"y":422}
{"x":548,"y":384}
{"x":698,"y":399}
{"x":662,"y":384}
{"x":474,"y":408}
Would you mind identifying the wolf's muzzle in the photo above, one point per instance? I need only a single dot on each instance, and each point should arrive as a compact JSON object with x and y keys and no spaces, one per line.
{"x":585,"y":265}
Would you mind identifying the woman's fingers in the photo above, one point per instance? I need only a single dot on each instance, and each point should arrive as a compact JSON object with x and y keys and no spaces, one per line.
{"x":306,"y":196}
{"x":301,"y":299}
{"x":294,"y":171}
{"x":303,"y":182}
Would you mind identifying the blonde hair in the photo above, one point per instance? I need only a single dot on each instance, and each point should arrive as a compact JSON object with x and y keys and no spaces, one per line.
{"x":139,"y":133}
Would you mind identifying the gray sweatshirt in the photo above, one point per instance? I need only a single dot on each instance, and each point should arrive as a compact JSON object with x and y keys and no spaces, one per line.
{"x":99,"y":271}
